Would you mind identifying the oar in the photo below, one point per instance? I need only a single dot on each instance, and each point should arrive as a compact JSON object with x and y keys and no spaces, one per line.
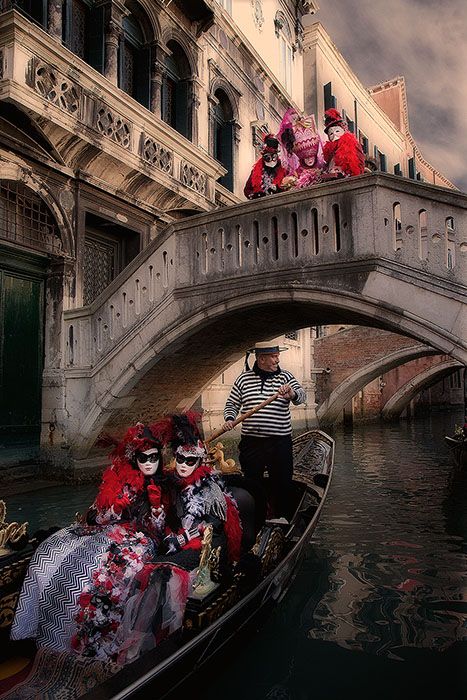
{"x":221,"y":431}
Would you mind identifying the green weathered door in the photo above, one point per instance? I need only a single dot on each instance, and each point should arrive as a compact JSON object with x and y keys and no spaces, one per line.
{"x":21,"y":311}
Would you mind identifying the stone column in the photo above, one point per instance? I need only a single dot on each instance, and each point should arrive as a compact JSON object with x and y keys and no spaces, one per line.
{"x":115,"y":12}
{"x":236,"y":127}
{"x":54,"y":20}
{"x":158,"y":54}
{"x":193,"y":98}
{"x":113,"y":34}
{"x":212,"y":104}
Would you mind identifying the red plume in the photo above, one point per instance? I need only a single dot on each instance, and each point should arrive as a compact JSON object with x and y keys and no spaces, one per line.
{"x":333,"y":114}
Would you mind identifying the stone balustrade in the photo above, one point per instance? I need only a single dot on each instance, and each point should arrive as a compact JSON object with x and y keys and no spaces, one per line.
{"x":416,"y":232}
{"x":45,"y":78}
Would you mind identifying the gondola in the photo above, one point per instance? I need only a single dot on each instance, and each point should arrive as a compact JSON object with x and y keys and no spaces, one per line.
{"x":211,"y":622}
{"x":458,"y":448}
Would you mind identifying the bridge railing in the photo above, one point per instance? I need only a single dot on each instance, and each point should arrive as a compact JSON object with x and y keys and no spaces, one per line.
{"x":382,"y":218}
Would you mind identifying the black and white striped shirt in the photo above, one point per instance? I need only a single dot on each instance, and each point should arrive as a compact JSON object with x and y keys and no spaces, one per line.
{"x":250,"y":389}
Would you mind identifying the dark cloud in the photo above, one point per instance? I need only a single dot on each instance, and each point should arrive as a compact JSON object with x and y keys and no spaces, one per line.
{"x":426,"y":42}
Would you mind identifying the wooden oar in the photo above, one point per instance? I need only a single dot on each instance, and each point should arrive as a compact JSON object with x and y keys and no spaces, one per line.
{"x":221,"y":431}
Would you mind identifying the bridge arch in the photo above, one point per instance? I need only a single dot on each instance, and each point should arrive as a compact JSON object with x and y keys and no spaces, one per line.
{"x":398,"y":401}
{"x":166,"y":363}
{"x":331,"y":410}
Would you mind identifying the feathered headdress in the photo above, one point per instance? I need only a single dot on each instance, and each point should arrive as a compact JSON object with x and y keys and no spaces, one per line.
{"x":333,"y":118}
{"x":138,"y":438}
{"x":186,"y":434}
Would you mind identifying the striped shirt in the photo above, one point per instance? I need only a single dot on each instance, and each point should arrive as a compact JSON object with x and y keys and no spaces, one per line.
{"x":250,"y":389}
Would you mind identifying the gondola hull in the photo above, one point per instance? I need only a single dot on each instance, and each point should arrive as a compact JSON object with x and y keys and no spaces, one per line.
{"x":458,"y":448}
{"x":209,"y":628}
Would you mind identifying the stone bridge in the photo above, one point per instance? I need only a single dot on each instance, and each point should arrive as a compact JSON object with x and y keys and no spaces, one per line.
{"x":358,"y":355}
{"x":374,"y":250}
{"x":412,"y":379}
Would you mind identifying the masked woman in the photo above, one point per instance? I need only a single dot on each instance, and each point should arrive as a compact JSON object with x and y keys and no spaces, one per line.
{"x":302,"y":149}
{"x":199,"y":498}
{"x":84,"y":581}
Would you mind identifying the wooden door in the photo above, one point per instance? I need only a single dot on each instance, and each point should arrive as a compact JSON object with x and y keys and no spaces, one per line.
{"x":21,"y":360}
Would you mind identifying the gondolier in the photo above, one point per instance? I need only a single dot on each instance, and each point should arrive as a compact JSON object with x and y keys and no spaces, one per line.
{"x":266,"y":441}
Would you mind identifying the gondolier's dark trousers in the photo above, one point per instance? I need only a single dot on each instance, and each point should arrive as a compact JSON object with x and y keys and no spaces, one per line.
{"x":273,"y":454}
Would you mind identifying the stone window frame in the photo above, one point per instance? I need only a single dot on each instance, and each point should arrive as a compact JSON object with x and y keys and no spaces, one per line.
{"x":192,"y":56}
{"x":283,"y":32}
{"x":218,"y":81}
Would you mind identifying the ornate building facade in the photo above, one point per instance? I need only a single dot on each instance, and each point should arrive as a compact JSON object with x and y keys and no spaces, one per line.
{"x":117,"y":117}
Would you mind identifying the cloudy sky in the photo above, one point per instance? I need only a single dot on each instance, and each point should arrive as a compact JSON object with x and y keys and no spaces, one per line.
{"x":426,"y":42}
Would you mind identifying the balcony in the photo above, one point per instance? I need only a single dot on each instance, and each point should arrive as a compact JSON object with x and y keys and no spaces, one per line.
{"x":98,"y":130}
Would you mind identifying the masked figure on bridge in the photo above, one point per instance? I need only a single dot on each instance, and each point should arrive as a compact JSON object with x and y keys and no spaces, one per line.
{"x":343,"y":153}
{"x":268,"y":173}
{"x":302,"y":149}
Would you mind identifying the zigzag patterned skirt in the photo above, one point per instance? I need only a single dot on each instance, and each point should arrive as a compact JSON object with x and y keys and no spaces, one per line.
{"x":77,"y":586}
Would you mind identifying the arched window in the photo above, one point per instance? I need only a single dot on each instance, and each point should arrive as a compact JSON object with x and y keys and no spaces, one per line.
{"x":134,"y":61}
{"x":25,"y":219}
{"x":422,"y":234}
{"x":284,"y":34}
{"x":224,"y":137}
{"x":175,"y":108}
{"x":83,"y":31}
{"x":396,"y":226}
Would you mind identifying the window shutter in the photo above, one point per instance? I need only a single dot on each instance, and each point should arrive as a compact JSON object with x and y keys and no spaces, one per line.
{"x":226,"y":154}
{"x":95,"y":39}
{"x":142,"y":76}
{"x":328,"y":101}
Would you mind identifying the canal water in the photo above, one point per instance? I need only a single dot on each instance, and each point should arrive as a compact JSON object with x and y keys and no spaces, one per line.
{"x":378,"y":608}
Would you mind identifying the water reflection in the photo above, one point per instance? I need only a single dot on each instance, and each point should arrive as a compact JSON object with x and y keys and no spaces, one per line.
{"x":397,"y":575}
{"x":379,"y":605}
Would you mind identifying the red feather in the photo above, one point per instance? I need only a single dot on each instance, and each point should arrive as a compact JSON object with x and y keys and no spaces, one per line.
{"x":233,"y":530}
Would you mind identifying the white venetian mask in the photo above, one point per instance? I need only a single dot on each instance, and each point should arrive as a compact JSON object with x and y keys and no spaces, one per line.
{"x":185,"y":464}
{"x":335,"y":132}
{"x":148,"y":461}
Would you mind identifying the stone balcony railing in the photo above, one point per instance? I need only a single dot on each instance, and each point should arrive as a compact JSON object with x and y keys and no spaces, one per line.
{"x":415,"y":231}
{"x":43,"y":77}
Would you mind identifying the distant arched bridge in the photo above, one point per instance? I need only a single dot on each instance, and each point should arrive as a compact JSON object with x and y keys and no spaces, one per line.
{"x":358,"y":355}
{"x":356,"y":251}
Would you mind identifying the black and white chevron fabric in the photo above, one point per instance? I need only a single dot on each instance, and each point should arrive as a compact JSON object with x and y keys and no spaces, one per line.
{"x":57,"y":574}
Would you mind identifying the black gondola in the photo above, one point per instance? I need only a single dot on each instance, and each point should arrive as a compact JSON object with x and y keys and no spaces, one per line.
{"x":210,"y":623}
{"x":458,"y":448}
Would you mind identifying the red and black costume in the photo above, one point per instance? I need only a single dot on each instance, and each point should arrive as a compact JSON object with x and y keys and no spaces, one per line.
{"x":87,"y":585}
{"x":265,"y":180}
{"x":197,"y":500}
{"x":344,"y":157}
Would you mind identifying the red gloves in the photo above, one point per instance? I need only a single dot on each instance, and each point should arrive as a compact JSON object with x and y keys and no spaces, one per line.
{"x":121,"y":502}
{"x":154,"y":495}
